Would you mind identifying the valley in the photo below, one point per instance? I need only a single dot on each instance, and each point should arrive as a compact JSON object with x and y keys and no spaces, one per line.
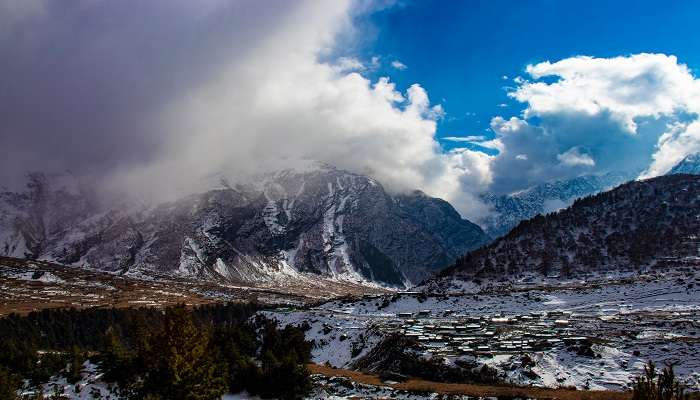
{"x":575,"y":301}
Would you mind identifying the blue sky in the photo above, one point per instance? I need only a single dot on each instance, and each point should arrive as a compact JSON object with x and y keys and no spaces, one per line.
{"x":460,"y":50}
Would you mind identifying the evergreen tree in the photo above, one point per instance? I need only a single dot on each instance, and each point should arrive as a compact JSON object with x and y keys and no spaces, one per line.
{"x":285,"y":355}
{"x":116,"y":362}
{"x":9,"y":384}
{"x":75,"y":365}
{"x":181,"y":363}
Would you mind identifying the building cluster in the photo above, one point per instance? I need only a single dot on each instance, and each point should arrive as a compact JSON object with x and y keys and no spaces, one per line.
{"x":455,"y":334}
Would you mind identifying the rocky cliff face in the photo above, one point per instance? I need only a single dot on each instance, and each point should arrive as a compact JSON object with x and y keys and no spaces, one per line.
{"x":288,"y":225}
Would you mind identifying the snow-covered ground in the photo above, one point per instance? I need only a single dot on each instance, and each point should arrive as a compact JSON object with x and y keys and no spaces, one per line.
{"x":88,"y":388}
{"x":630,"y":321}
{"x":341,"y":388}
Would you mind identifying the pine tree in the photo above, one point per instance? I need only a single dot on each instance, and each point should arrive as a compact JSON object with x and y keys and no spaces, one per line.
{"x":116,"y":360}
{"x":9,"y":384}
{"x":181,"y":362}
{"x":75,"y":366}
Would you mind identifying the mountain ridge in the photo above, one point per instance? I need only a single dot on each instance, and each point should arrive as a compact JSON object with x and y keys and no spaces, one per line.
{"x":637,"y":225}
{"x":688,"y":165}
{"x":510,"y":209}
{"x":288,"y":226}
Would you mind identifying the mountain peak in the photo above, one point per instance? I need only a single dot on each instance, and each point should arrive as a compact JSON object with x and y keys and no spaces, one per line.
{"x":688,"y":165}
{"x":284,"y":228}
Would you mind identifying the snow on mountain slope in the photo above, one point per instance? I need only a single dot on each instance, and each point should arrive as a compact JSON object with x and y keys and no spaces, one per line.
{"x":284,"y":227}
{"x":510,"y":209}
{"x":688,"y":165}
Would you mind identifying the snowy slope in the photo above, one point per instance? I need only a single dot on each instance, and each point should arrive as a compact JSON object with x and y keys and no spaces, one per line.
{"x":630,"y":320}
{"x":688,"y":165}
{"x":510,"y":209}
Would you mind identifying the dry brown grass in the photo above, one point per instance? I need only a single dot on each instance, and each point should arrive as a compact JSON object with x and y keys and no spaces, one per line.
{"x":420,"y":385}
{"x":23,"y":296}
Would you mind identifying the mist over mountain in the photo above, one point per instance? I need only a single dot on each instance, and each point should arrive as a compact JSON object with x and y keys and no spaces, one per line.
{"x":688,"y":165}
{"x":285,"y":226}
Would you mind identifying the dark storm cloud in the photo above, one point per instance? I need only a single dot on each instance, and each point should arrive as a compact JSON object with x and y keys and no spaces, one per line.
{"x":80,"y":81}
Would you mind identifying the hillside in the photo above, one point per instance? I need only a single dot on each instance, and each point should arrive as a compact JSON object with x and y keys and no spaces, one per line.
{"x":636,"y":225}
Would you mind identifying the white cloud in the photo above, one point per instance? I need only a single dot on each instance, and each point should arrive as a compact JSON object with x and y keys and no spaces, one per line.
{"x":680,"y":140}
{"x":640,"y":85}
{"x":630,"y":113}
{"x":348,"y":64}
{"x":259,"y":87}
{"x":277,"y":105}
{"x":464,"y":138}
{"x":573,"y":157}
{"x":398,"y":65}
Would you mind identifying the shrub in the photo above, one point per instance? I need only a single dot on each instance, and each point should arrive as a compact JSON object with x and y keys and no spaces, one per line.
{"x":658,"y":386}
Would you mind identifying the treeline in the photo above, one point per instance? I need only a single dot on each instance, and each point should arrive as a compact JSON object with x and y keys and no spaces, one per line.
{"x":176,"y":353}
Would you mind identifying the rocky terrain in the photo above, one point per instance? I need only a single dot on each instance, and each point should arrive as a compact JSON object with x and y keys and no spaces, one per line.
{"x":509,"y":209}
{"x":27,"y":285}
{"x":287,"y":227}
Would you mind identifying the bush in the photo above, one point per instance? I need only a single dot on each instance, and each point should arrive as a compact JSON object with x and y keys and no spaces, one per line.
{"x":653,"y":386}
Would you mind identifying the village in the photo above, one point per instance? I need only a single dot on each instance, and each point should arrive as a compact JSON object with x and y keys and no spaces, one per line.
{"x":458,"y":334}
{"x":590,"y":335}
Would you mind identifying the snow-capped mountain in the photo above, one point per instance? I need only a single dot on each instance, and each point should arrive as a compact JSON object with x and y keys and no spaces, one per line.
{"x":288,"y":225}
{"x":688,"y":165}
{"x":510,"y":209}
{"x":637,"y":225}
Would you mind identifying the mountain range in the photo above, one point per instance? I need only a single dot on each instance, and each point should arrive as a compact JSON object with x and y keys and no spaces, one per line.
{"x":329,"y":223}
{"x":288,"y":225}
{"x":509,"y":209}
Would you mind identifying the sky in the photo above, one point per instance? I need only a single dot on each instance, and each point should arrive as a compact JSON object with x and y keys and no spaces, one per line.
{"x":461,"y":53}
{"x":453,"y":98}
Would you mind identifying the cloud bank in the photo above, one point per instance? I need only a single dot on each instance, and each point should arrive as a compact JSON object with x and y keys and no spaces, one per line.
{"x":154,"y":99}
{"x":596,"y":115}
